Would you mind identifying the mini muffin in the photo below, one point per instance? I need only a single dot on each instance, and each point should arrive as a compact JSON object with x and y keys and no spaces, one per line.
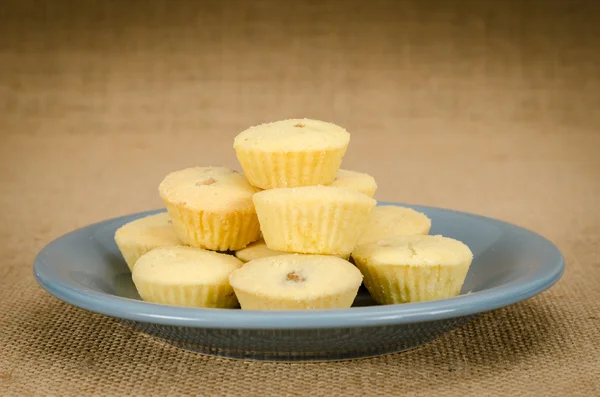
{"x":142,"y":235}
{"x":186,"y":276}
{"x":358,"y":181}
{"x":413,"y":268}
{"x":391,"y":220}
{"x":296,"y":282}
{"x":313,"y":219}
{"x":259,"y":249}
{"x":256,"y":250}
{"x":291,"y":153}
{"x":211,"y":207}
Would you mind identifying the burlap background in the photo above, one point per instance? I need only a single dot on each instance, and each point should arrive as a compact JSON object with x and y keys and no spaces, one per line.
{"x":484,"y":106}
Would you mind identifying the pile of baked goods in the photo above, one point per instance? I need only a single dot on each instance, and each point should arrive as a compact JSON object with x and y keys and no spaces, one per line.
{"x":293,"y":232}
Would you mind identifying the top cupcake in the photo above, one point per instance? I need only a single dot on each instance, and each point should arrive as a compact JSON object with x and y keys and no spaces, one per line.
{"x":293,"y":135}
{"x":291,"y":153}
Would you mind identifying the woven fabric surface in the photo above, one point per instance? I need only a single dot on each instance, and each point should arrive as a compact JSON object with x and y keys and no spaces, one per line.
{"x":489,"y":107}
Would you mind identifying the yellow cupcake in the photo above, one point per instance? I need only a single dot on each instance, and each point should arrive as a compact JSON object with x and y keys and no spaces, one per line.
{"x":256,"y":250}
{"x":296,"y":282}
{"x":391,"y":220}
{"x":358,"y":181}
{"x":211,"y":207}
{"x":313,"y":219}
{"x":291,"y":153}
{"x":142,"y":235}
{"x":259,"y":249}
{"x":186,"y":276}
{"x":413,"y":268}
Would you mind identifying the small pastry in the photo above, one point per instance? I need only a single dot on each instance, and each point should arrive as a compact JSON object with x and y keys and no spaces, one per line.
{"x":358,"y":181}
{"x":296,"y":282}
{"x":142,"y":235}
{"x":414,"y":268}
{"x":256,"y":250}
{"x":291,"y":153}
{"x":390,"y":220}
{"x":211,"y":207}
{"x":313,"y":220}
{"x":186,"y":276}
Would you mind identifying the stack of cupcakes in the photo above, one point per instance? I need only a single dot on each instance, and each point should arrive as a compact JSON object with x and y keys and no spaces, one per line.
{"x":293,"y":222}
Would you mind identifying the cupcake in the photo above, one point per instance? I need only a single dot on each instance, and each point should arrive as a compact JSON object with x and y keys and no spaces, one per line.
{"x":358,"y":181}
{"x":142,"y":235}
{"x":211,"y":207}
{"x":313,"y":220}
{"x":413,"y":268}
{"x":291,"y":153}
{"x":391,"y":220}
{"x":259,"y":249}
{"x":256,"y":250}
{"x":296,"y":282}
{"x":186,"y":276}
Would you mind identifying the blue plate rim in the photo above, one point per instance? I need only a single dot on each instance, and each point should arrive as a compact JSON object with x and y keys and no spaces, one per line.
{"x":383,"y":315}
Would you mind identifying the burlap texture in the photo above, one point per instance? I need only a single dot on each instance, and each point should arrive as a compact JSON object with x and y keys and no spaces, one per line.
{"x":482,"y":106}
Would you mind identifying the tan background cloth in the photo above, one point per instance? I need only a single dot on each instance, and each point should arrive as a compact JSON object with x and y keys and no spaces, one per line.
{"x":490,"y":107}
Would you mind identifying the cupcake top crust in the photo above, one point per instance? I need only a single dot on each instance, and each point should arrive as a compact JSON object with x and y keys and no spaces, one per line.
{"x":415,"y":250}
{"x":150,"y":230}
{"x":293,"y":135}
{"x":358,"y":181}
{"x":208,"y":189}
{"x":390,"y":220}
{"x":296,"y":276}
{"x":184,"y":266}
{"x":256,"y":250}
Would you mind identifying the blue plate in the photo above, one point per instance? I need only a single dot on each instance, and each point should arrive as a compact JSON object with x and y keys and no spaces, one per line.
{"x":84,"y":268}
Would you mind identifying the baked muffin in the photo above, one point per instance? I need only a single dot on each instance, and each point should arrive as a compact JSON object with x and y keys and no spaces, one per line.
{"x":259,"y":249}
{"x":256,"y":250}
{"x":296,"y":282}
{"x":358,"y":181}
{"x":186,"y":276}
{"x":390,"y":220}
{"x":313,"y":219}
{"x":211,"y":207}
{"x":142,"y":235}
{"x":291,"y":153}
{"x":413,"y":268}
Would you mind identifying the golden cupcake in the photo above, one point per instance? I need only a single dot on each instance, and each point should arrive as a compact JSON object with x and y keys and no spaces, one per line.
{"x":358,"y":181}
{"x":291,"y":153}
{"x":211,"y":207}
{"x":296,"y":282}
{"x":390,"y":220}
{"x":259,"y":249}
{"x":142,"y":235}
{"x":186,"y":276}
{"x":413,"y":268}
{"x":256,"y":250}
{"x":313,"y":219}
